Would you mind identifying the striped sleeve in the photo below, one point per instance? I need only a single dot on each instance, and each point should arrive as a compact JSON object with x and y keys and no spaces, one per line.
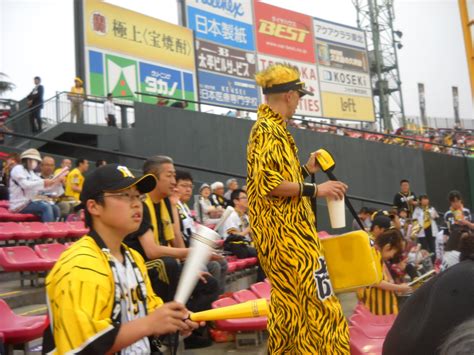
{"x":267,"y":163}
{"x":81,"y":316}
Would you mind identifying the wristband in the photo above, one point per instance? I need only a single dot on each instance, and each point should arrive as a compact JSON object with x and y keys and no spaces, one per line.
{"x":304,"y":171}
{"x":309,"y":190}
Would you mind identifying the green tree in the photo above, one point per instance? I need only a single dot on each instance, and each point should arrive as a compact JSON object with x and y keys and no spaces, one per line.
{"x":4,"y":84}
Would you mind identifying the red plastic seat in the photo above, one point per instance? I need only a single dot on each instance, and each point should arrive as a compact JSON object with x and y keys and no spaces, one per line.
{"x":7,"y":216}
{"x":20,"y":329}
{"x":78,"y":229}
{"x":58,"y":229}
{"x":23,"y":258}
{"x":371,"y":330}
{"x":15,"y":231}
{"x":36,"y":230}
{"x":261,"y":289}
{"x":362,"y":345}
{"x":231,"y":258}
{"x":241,"y":264}
{"x":50,"y":251}
{"x":236,"y":325}
{"x":373,"y":319}
{"x":249,"y":262}
{"x":244,"y":296}
{"x":231,"y":267}
{"x":4,"y":203}
{"x":267,"y":280}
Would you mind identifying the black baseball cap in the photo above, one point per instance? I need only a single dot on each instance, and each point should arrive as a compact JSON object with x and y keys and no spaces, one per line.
{"x":382,"y":221}
{"x":296,"y":85}
{"x":112,"y":178}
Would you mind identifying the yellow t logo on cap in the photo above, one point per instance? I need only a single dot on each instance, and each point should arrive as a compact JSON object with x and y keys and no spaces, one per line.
{"x":125,"y":172}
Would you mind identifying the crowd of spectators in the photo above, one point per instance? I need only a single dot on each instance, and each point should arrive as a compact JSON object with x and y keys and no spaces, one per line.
{"x":454,"y":141}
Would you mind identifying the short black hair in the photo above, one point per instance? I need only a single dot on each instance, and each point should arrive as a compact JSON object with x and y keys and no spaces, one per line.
{"x":364,"y":210}
{"x":79,"y":161}
{"x":183,"y":175}
{"x":404,"y":180}
{"x":235,"y":194}
{"x":454,"y":195}
{"x":421,"y":197}
{"x":37,"y":78}
{"x":109,"y":95}
{"x":466,"y":246}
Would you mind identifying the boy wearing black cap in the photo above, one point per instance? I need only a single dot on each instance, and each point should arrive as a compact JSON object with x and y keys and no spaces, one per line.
{"x":99,"y":296}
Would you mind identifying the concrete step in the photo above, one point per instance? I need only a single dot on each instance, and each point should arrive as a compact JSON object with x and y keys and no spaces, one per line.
{"x":16,"y":296}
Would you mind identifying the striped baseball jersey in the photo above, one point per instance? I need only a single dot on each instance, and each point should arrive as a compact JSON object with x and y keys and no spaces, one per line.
{"x":80,"y":292}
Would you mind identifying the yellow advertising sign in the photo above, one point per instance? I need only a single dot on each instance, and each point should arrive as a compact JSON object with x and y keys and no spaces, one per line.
{"x":347,"y":107}
{"x":130,"y":33}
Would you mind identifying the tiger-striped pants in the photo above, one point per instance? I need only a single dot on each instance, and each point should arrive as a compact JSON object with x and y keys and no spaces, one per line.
{"x":305,"y":315}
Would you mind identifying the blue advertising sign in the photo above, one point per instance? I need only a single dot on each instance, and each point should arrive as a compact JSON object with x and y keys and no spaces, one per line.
{"x":221,"y":30}
{"x":227,"y":91}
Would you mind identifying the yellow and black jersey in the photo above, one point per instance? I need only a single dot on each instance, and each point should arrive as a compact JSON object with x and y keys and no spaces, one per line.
{"x":305,"y":315}
{"x":80,"y":292}
{"x":378,"y":301}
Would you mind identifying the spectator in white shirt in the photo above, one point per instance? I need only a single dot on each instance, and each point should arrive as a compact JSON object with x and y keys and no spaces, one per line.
{"x":238,"y":222}
{"x":26,"y":186}
{"x":232,"y":185}
{"x":426,"y":216}
{"x":109,"y":109}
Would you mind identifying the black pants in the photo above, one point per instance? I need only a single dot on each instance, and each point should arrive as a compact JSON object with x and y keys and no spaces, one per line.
{"x":429,"y":241}
{"x":164,"y":278}
{"x":111,"y":122}
{"x":35,"y":121}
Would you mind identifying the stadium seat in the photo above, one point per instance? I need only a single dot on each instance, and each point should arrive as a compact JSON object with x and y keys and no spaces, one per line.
{"x":20,"y":329}
{"x":22,"y":258}
{"x":50,"y":251}
{"x":244,"y":296}
{"x":78,"y":229}
{"x":238,"y":325}
{"x":370,"y":330}
{"x":240,"y":264}
{"x":57,"y":230}
{"x":35,"y":230}
{"x":267,"y":280}
{"x":231,"y":267}
{"x":4,"y":203}
{"x":14,"y":231}
{"x":369,"y":318}
{"x":261,"y":289}
{"x":7,"y":216}
{"x":361,"y":345}
{"x":249,"y":262}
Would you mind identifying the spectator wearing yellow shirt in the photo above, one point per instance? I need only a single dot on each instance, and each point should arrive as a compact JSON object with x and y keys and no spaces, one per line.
{"x":77,"y":96}
{"x":75,"y":179}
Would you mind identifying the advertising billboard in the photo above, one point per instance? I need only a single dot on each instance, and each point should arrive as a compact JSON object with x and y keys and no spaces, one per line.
{"x":344,"y":72}
{"x":309,"y":105}
{"x":284,"y":33}
{"x":126,"y":52}
{"x":225,"y":51}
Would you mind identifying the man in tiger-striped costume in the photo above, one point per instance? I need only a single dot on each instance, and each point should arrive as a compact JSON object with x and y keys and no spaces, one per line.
{"x":305,"y":315}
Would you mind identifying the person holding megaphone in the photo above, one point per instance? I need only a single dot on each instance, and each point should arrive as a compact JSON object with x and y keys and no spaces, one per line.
{"x":305,"y":315}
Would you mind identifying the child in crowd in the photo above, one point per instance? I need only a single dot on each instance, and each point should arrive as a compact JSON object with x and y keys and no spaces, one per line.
{"x":99,"y":296}
{"x":381,"y":299}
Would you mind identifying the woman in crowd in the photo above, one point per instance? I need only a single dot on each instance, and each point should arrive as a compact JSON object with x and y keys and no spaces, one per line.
{"x":25,"y":187}
{"x":381,"y":299}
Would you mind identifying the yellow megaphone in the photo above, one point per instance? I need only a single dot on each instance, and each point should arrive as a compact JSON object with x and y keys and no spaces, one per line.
{"x":325,"y":160}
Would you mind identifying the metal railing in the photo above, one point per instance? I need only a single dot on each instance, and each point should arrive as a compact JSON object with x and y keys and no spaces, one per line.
{"x":225,"y":174}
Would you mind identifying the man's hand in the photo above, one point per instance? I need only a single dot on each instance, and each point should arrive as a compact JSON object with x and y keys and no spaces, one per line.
{"x":312,"y":164}
{"x":332,"y":189}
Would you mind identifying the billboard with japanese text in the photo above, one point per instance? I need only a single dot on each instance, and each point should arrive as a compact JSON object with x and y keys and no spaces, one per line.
{"x":344,"y":72}
{"x":225,"y":51}
{"x":309,"y":105}
{"x":126,"y":52}
{"x":284,"y":33}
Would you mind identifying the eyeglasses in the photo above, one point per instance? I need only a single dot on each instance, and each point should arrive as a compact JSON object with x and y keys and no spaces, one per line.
{"x":128,"y":197}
